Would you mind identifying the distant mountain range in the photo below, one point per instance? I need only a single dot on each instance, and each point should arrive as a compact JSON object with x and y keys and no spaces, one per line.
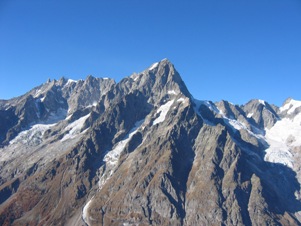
{"x":143,"y":151}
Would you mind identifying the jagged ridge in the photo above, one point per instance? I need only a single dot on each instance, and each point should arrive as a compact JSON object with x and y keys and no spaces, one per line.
{"x":144,"y":151}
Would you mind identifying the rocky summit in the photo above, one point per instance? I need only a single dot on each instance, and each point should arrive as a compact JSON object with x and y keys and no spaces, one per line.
{"x":143,"y":151}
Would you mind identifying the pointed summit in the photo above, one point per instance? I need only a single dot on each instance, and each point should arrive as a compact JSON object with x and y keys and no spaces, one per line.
{"x":171,"y":77}
{"x":165,"y":63}
{"x":290,"y":106}
{"x":264,"y":114}
{"x":159,"y":80}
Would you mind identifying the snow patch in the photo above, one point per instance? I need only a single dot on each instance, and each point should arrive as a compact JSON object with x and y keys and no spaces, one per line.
{"x":75,"y":128}
{"x":250,"y":115}
{"x":32,"y":146}
{"x":238,"y":125}
{"x":38,"y":92}
{"x":111,"y":157}
{"x":94,"y":104}
{"x":198,"y":104}
{"x":153,"y":66}
{"x":135,"y":76}
{"x":278,"y":153}
{"x":163,"y":110}
{"x":212,"y":107}
{"x":42,"y":99}
{"x":70,"y":81}
{"x":85,"y":214}
{"x":283,"y":136}
{"x":181,"y":100}
{"x":172,"y":92}
{"x":32,"y":136}
{"x":68,"y":117}
{"x":291,"y":106}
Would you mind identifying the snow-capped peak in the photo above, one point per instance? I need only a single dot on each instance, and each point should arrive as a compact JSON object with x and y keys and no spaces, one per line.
{"x":290,"y":106}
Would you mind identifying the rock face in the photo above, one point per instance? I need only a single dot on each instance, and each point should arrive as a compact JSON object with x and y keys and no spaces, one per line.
{"x":144,"y":152}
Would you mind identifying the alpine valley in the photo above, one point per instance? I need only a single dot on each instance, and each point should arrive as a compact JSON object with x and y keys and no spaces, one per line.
{"x":143,"y":151}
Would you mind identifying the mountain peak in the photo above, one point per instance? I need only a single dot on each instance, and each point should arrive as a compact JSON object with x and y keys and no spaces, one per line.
{"x":162,"y":63}
{"x":159,"y":79}
{"x":290,"y":106}
{"x":166,"y":61}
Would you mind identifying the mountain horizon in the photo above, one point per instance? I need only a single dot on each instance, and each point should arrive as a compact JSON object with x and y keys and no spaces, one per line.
{"x":90,"y":75}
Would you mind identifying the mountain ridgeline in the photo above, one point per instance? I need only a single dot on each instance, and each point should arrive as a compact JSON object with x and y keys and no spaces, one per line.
{"x":143,"y":151}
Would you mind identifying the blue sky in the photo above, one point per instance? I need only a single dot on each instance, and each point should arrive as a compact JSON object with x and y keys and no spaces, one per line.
{"x":233,"y":50}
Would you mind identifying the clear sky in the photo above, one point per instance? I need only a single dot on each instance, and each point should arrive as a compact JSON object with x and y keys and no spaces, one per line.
{"x":234,"y":50}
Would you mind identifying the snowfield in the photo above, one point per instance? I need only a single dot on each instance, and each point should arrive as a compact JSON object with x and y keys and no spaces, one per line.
{"x":32,"y":136}
{"x":291,"y":106}
{"x":172,"y":92}
{"x":282,"y":137}
{"x":75,"y":128}
{"x":111,"y":157}
{"x":30,"y":144}
{"x":163,"y":110}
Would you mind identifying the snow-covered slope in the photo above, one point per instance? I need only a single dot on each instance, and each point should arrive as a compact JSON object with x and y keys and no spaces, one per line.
{"x":284,"y":138}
